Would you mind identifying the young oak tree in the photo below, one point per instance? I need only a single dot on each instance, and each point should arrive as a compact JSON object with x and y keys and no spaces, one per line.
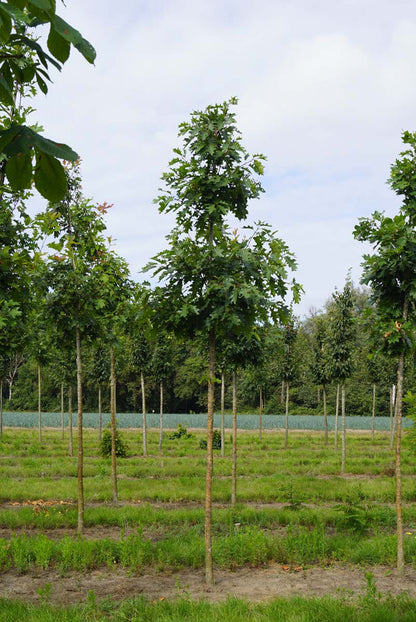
{"x":75,"y":299}
{"x":341,"y":340}
{"x":289,"y":366}
{"x":391,"y":273}
{"x":214,"y":284}
{"x":236,"y":354}
{"x":162,"y":365}
{"x":319,"y":363}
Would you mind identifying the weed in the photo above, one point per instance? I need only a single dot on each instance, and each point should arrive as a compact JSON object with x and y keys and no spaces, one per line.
{"x":21,"y":552}
{"x":44,"y":550}
{"x":289,"y":494}
{"x":44,"y":593}
{"x":355,"y":516}
{"x":371,"y":596}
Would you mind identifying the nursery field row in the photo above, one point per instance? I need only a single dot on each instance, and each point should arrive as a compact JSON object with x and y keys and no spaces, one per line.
{"x":295,"y":516}
{"x":171,"y":420}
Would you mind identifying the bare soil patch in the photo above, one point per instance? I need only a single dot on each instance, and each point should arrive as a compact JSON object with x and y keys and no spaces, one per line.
{"x":254,"y":584}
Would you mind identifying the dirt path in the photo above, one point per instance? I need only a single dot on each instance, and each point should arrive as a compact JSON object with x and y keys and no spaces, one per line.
{"x":253,"y":584}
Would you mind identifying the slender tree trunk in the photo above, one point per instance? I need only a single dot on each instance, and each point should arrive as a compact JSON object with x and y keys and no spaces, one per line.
{"x":391,"y":409}
{"x":144,"y":414}
{"x":343,"y":435}
{"x":113,"y":427}
{"x":319,"y":394}
{"x":161,"y":417}
{"x":373,"y":411}
{"x":336,"y":417}
{"x":393,"y":417}
{"x":62,"y":412}
{"x":71,"y":444}
{"x":100,"y":413}
{"x":80,"y":528}
{"x":398,"y":417}
{"x":287,"y":415}
{"x":1,"y":406}
{"x":222,"y":415}
{"x":234,"y":461}
{"x":282,"y":393}
{"x":209,"y":576}
{"x":325,"y":413}
{"x":260,"y":413}
{"x":39,"y":404}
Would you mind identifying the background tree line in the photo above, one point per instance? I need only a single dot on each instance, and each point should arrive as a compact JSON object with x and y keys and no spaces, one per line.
{"x":185,"y":373}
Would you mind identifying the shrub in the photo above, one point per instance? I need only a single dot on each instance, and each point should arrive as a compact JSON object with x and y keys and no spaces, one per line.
{"x":181,"y":432}
{"x":216,"y":440}
{"x":105,"y":444}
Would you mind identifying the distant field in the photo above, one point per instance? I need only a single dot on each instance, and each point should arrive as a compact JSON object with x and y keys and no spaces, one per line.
{"x":245,"y":422}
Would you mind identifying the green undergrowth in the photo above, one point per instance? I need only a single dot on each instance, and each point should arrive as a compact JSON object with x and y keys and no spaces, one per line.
{"x":185,"y":549}
{"x":353,"y":515}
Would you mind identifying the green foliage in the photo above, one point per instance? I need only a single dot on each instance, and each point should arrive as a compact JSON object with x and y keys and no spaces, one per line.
{"x":105,"y":444}
{"x":17,"y":264}
{"x":180,"y":433}
{"x":341,"y":334}
{"x":216,"y":440}
{"x":355,"y":516}
{"x":212,"y":279}
{"x":26,"y":154}
{"x":390,"y":270}
{"x":319,"y":364}
{"x":211,"y":146}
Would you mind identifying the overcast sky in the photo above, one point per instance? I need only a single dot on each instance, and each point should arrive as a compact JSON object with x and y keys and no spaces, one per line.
{"x":325,"y":90}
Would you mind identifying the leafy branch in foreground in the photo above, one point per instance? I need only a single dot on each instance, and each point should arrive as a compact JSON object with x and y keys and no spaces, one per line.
{"x":25,"y":64}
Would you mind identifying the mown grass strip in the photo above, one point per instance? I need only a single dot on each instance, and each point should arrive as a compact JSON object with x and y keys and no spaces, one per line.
{"x":369,"y":608}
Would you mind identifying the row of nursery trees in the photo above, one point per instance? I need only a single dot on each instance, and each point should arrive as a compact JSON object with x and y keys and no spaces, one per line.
{"x":178,"y":368}
{"x":225,"y":293}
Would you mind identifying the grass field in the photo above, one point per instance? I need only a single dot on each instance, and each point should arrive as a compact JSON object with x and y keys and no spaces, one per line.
{"x":294,"y":512}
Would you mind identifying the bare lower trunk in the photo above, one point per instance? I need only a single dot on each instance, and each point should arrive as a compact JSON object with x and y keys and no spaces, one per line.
{"x":144,"y":415}
{"x":399,"y":520}
{"x":282,"y":393}
{"x":1,"y":407}
{"x":392,"y":415}
{"x":71,"y":444}
{"x":62,"y":412}
{"x":113,"y":427}
{"x":234,"y":461}
{"x":325,"y":414}
{"x":100,"y":414}
{"x":287,"y":416}
{"x":209,"y":576}
{"x":398,"y":417}
{"x":80,"y":528}
{"x":343,"y":435}
{"x":336,"y":417}
{"x":39,"y":404}
{"x":161,"y":417}
{"x":222,"y":415}
{"x":373,"y":411}
{"x":260,"y":413}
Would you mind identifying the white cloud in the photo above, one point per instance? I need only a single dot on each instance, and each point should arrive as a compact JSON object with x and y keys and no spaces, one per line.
{"x":325,"y":90}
